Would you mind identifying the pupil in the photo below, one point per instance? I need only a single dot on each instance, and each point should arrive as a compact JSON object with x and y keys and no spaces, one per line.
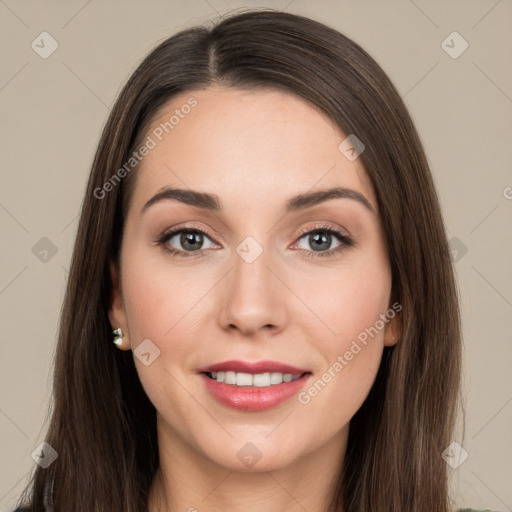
{"x":319,"y":239}
{"x":190,"y":238}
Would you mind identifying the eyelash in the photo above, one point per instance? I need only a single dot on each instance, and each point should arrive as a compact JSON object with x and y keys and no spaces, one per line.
{"x":345,"y":241}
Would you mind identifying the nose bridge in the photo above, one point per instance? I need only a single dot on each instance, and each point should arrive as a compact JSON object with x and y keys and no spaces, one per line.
{"x":252,"y":295}
{"x":251,"y":273}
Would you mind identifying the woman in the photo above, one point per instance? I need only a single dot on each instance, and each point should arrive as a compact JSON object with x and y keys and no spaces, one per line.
{"x":262,"y":241}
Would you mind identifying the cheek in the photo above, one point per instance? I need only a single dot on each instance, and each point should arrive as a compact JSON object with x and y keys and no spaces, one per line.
{"x":348,"y":302}
{"x":157,"y":295}
{"x":349,"y":305}
{"x":160,"y":302}
{"x":166,"y":305}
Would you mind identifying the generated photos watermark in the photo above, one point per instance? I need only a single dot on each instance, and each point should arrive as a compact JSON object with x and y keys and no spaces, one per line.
{"x":304,"y":397}
{"x":151,"y":142}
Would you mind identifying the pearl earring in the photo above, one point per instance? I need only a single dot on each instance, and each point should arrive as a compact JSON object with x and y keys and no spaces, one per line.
{"x":118,"y":338}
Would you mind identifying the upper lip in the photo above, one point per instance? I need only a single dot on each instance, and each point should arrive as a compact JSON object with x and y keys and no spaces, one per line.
{"x":253,"y":367}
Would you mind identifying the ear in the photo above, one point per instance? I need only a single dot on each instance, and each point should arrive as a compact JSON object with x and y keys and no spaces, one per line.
{"x":393,"y":329}
{"x":116,"y":312}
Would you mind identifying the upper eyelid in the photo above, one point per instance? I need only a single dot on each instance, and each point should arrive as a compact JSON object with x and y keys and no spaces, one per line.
{"x":325,"y":227}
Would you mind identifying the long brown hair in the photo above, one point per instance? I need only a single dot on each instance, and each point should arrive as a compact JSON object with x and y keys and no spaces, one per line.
{"x":103,"y":426}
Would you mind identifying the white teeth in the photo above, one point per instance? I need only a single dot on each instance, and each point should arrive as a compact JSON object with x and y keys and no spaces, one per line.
{"x":276,"y":378}
{"x":243,"y":379}
{"x":260,"y":380}
{"x":230,"y":377}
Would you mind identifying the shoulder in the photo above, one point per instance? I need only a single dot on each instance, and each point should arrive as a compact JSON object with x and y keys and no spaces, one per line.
{"x":47,"y":501}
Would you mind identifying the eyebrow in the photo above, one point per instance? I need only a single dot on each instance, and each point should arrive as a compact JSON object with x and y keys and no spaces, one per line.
{"x":211,"y":202}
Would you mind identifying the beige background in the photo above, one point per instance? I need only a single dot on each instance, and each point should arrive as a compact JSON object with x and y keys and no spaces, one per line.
{"x":53,"y":111}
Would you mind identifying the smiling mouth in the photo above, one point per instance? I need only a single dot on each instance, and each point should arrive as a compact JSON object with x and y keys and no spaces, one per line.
{"x":241,"y":379}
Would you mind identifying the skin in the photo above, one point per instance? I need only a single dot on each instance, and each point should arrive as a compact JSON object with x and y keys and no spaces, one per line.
{"x":254,"y":150}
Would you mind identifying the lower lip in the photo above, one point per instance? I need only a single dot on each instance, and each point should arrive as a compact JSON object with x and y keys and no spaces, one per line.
{"x":253,"y":398}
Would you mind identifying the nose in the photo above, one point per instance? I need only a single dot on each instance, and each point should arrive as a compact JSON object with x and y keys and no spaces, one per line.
{"x":254,"y":298}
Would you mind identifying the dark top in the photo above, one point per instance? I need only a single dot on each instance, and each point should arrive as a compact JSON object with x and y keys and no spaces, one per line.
{"x":48,"y":501}
{"x":47,"y":498}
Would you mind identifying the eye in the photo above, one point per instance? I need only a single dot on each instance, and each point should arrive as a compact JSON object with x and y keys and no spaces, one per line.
{"x":320,"y":240}
{"x":189,"y":241}
{"x":185,"y":242}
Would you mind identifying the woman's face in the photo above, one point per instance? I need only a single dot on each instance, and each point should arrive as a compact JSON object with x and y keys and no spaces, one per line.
{"x":250,"y":279}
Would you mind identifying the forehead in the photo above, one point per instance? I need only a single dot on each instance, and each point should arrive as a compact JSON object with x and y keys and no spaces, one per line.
{"x":247,"y":145}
